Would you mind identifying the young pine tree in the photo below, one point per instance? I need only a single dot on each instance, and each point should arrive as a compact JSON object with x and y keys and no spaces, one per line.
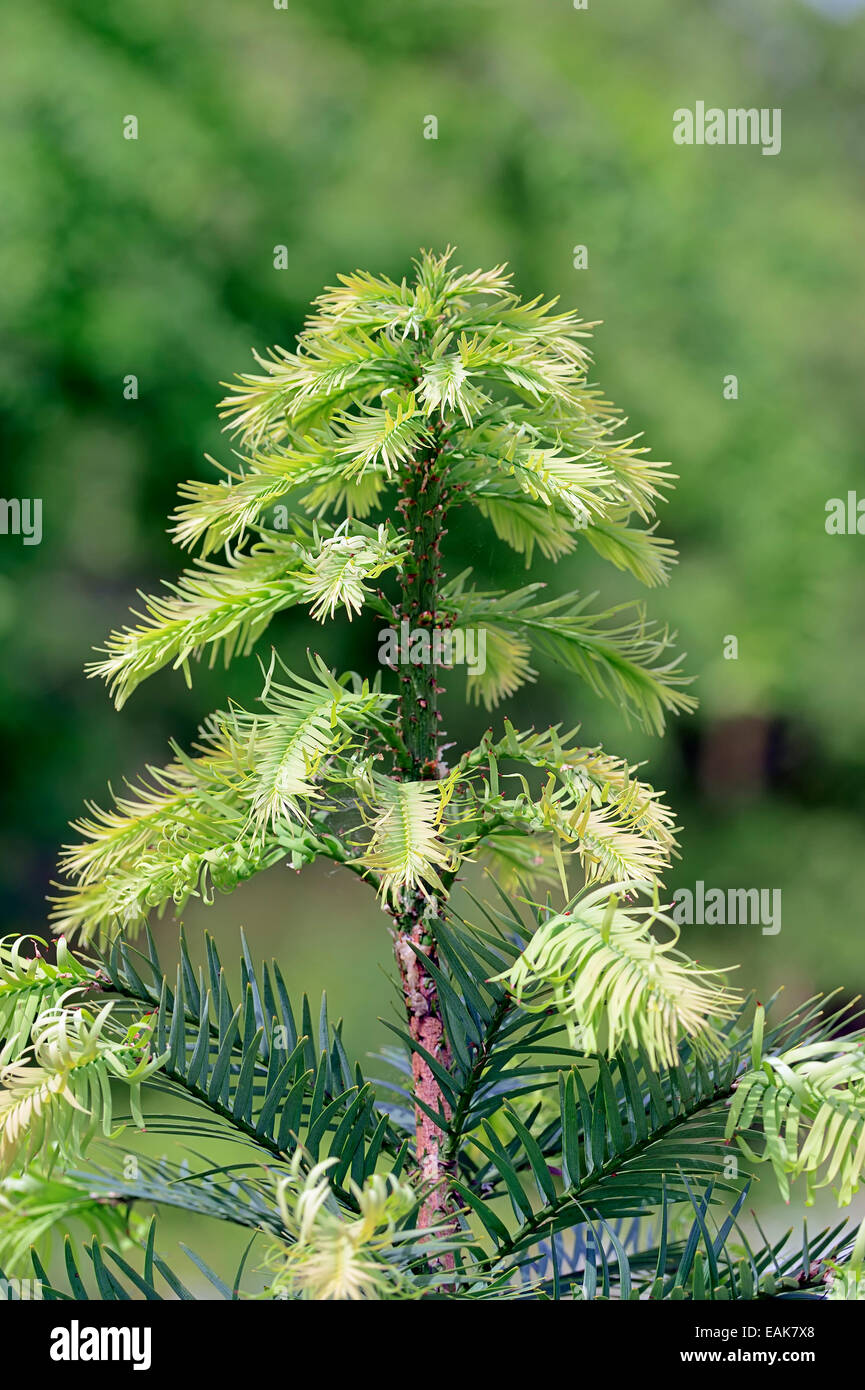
{"x":558,"y":1117}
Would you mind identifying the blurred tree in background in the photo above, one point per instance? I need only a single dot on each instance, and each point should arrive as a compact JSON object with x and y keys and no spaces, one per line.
{"x":304,"y":127}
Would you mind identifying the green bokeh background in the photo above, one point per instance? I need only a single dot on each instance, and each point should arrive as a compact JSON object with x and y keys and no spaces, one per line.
{"x":304,"y":127}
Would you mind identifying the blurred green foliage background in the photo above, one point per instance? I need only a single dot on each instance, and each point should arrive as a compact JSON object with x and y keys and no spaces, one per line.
{"x":304,"y":127}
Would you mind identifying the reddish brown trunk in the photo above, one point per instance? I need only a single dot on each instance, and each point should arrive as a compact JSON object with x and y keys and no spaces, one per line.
{"x":422,"y":506}
{"x":425,"y":1025}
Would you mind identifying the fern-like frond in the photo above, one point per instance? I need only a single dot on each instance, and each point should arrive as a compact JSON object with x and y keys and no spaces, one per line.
{"x":357,"y":497}
{"x":156,"y":844}
{"x":296,"y":387}
{"x":445,"y":385}
{"x":622,"y":660}
{"x":597,"y":431}
{"x":611,"y":849}
{"x":31,"y":983}
{"x":54,"y":1103}
{"x":239,"y":1193}
{"x":623,"y":827}
{"x":212,"y":515}
{"x":440,"y":278}
{"x":506,"y":664}
{"x":261,"y":1072}
{"x":385,"y":436}
{"x":810,"y":1104}
{"x":303,"y":724}
{"x":697,"y":1254}
{"x":223,"y":607}
{"x":589,"y":804}
{"x":405,"y":849}
{"x":238,"y":804}
{"x":614,"y":982}
{"x":373,"y":1255}
{"x":554,"y":478}
{"x":643,"y":554}
{"x":523,"y":525}
{"x":373,"y":303}
{"x":337,"y":568}
{"x":619,"y":657}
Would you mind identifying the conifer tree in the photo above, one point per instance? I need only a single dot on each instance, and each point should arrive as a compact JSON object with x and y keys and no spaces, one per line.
{"x":567,"y":1079}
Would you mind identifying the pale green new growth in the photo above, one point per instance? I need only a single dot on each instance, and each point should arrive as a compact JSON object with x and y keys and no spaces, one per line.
{"x":617,"y":983}
{"x":566,"y":1080}
{"x":336,"y":1257}
{"x":29,"y":985}
{"x":382,"y":370}
{"x":56,"y":1093}
{"x":405,"y":850}
{"x":810,"y":1101}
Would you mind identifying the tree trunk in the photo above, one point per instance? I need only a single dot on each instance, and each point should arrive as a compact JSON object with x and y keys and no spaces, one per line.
{"x":422,"y":505}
